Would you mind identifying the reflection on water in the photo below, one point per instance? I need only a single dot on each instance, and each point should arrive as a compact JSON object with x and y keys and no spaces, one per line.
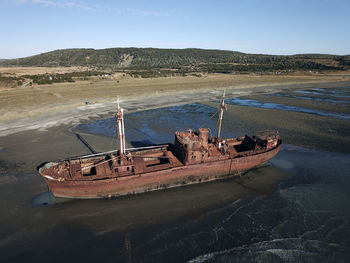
{"x":339,"y":91}
{"x":47,"y":198}
{"x":157,"y":126}
{"x":311,"y":98}
{"x":318,"y":92}
{"x":271,"y":105}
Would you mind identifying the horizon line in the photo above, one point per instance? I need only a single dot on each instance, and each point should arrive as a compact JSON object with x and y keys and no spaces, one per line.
{"x":228,"y":50}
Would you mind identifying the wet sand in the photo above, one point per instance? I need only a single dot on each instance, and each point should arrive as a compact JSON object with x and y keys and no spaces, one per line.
{"x":36,"y":226}
{"x":275,"y":208}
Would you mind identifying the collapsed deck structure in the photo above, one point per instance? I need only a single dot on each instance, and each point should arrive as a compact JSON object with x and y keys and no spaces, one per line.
{"x":195,"y":157}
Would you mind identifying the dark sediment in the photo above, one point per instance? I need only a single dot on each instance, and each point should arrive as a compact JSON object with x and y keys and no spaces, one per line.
{"x":292,"y":209}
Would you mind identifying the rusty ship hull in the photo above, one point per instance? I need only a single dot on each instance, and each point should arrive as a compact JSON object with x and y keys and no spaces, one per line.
{"x":179,"y":175}
{"x":195,"y":157}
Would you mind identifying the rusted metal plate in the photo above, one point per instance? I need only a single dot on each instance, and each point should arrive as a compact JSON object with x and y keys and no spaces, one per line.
{"x":159,"y":176}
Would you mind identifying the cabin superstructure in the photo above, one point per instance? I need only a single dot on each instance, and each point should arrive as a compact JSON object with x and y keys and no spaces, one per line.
{"x":195,"y":156}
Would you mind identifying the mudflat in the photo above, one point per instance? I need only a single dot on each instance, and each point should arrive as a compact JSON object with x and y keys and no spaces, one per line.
{"x":298,"y":195}
{"x":43,"y":106}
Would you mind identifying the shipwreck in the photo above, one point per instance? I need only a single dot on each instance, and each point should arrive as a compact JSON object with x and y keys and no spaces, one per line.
{"x":195,"y":157}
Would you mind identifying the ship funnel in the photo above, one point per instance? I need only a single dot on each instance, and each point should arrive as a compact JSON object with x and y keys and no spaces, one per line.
{"x":203,"y":135}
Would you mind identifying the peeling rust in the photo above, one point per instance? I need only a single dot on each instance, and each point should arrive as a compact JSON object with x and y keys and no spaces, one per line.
{"x":195,"y":157}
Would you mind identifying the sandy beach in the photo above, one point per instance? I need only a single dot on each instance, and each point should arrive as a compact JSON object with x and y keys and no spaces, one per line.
{"x":44,"y":106}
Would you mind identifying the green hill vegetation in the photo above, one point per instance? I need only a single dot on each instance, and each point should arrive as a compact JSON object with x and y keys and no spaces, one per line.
{"x":153,"y":62}
{"x":192,"y":59}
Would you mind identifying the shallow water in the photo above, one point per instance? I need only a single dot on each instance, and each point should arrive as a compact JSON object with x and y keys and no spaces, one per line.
{"x":157,"y":126}
{"x":340,"y":91}
{"x":293,"y":209}
{"x":339,"y":94}
{"x":311,"y":98}
{"x":271,"y":105}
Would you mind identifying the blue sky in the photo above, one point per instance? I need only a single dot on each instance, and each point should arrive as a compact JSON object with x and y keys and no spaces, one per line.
{"x":30,"y":27}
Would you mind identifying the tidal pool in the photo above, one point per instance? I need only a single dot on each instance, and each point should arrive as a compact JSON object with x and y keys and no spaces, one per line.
{"x":157,"y":126}
{"x":339,"y":94}
{"x":271,"y":105}
{"x":311,"y":98}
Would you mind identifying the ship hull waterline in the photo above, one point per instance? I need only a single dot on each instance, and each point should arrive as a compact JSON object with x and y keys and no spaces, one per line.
{"x":163,"y":179}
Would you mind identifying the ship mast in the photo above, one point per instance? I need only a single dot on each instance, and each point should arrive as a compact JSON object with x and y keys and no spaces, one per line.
{"x":222,"y":108}
{"x":120,"y":127}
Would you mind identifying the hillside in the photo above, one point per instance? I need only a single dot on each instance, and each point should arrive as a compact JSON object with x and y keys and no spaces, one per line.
{"x":187,"y":60}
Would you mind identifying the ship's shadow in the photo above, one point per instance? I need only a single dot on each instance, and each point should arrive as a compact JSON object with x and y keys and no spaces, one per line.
{"x":143,"y":143}
{"x":146,"y":143}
